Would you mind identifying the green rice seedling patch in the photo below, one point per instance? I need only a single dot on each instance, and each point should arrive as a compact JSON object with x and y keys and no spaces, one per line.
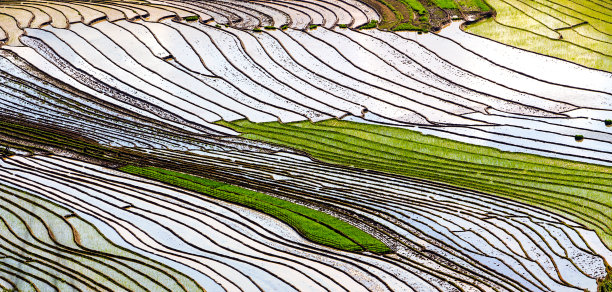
{"x":578,"y":190}
{"x":192,"y":18}
{"x":312,"y":224}
{"x":369,"y":25}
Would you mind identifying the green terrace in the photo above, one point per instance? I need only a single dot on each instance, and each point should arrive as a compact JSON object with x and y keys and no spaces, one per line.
{"x":577,"y":190}
{"x":315,"y":225}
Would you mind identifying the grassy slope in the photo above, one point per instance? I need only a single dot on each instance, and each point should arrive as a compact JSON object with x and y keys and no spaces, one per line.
{"x":577,"y":190}
{"x":314,"y":225}
{"x":510,"y":27}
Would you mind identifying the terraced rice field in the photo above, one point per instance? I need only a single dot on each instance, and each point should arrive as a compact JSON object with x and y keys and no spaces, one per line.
{"x":578,"y":31}
{"x":306,"y":145}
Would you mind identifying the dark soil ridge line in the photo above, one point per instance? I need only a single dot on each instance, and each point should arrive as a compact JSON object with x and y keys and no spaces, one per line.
{"x":23,"y":277}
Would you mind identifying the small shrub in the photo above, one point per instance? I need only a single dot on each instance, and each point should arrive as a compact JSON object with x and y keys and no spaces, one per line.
{"x":608,"y":122}
{"x":257,"y":29}
{"x":579,"y":138}
{"x":217,"y":26}
{"x":191,"y":18}
{"x":371,"y":24}
{"x":284,"y":26}
{"x":227,"y":25}
{"x":342,"y":25}
{"x":313,"y":26}
{"x":423,"y":18}
{"x":269,"y":27}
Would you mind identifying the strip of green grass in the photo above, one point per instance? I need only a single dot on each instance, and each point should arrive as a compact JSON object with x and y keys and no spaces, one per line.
{"x":371,"y":24}
{"x":312,"y":224}
{"x":579,"y":190}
